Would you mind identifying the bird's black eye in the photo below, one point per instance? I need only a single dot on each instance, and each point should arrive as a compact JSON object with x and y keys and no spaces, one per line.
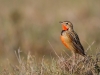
{"x":67,"y":23}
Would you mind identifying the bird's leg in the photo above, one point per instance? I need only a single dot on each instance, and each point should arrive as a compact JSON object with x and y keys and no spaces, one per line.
{"x":77,"y":58}
{"x":74,"y":58}
{"x":73,"y":62}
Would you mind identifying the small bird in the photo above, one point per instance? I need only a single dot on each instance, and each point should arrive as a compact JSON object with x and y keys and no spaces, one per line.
{"x":70,"y":39}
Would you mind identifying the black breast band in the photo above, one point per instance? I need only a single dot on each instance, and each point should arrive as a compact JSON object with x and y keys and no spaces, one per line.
{"x":62,"y":31}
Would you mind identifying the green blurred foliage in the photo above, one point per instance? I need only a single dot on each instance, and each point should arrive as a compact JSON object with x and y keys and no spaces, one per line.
{"x":30,"y":24}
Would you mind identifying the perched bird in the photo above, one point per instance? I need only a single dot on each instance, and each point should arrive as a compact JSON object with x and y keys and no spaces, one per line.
{"x":70,"y":39}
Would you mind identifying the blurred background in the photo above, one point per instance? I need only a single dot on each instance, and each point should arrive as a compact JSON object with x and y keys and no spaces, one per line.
{"x":30,"y":24}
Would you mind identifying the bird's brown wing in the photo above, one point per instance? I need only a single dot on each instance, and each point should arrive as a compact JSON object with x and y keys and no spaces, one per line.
{"x":76,"y":42}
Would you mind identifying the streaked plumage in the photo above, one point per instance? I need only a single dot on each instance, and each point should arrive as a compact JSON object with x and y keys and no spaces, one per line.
{"x":70,"y":38}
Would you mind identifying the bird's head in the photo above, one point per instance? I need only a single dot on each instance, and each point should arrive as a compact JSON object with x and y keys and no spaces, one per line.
{"x":67,"y":25}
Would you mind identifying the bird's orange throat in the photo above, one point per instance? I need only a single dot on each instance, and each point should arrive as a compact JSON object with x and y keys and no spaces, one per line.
{"x":64,"y":27}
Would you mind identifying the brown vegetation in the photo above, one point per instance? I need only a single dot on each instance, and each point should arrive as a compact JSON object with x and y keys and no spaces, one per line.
{"x":30,"y":24}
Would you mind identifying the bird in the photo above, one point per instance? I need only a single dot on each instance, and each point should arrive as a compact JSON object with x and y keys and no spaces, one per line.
{"x":70,"y":39}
